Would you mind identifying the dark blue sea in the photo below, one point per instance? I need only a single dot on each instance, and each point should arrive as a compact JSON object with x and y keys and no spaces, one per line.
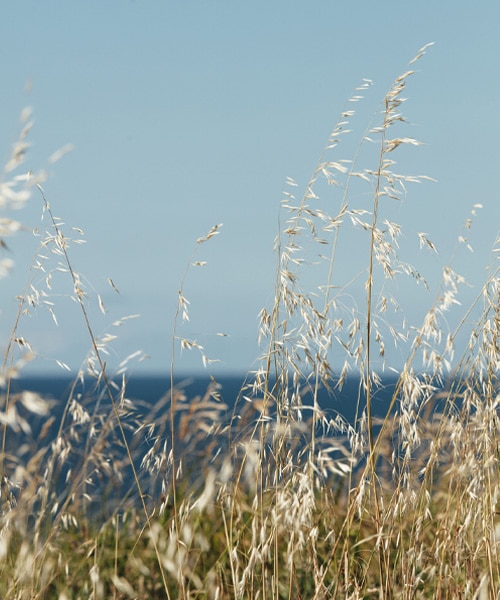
{"x":150,"y":388}
{"x":150,"y":392}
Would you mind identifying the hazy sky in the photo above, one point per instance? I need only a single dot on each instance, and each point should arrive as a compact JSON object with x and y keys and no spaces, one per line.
{"x":187,"y":114}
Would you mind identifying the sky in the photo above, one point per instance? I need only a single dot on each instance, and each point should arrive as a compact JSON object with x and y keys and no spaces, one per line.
{"x":184,"y":115}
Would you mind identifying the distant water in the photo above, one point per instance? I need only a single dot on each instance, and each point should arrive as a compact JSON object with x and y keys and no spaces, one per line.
{"x":148,"y":390}
{"x":151,"y":388}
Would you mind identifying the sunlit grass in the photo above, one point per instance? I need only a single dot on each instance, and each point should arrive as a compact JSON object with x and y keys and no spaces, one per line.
{"x":267,"y":495}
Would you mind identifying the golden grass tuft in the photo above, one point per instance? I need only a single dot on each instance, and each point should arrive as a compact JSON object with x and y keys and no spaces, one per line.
{"x":268,"y":495}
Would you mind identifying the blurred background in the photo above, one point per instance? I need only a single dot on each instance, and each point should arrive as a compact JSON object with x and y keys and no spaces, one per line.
{"x":184,"y":115}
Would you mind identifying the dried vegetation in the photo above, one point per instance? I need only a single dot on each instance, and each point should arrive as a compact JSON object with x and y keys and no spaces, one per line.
{"x":268,"y":495}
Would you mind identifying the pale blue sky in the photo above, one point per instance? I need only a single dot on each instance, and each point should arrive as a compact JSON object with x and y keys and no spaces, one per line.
{"x":187,"y":114}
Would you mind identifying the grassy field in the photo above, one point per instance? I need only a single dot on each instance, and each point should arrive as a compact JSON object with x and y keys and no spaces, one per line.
{"x":282,"y":499}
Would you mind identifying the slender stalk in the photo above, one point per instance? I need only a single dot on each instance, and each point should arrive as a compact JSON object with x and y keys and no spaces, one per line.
{"x":62,"y":245}
{"x":368,"y":365}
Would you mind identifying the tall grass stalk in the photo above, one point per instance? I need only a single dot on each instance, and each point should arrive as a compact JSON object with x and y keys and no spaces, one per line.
{"x":270,"y":494}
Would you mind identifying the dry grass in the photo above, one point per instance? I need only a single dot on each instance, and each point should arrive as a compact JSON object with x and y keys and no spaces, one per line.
{"x":268,"y":495}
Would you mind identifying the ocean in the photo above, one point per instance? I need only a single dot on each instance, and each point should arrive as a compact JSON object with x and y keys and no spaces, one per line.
{"x":147,"y":396}
{"x":150,"y":388}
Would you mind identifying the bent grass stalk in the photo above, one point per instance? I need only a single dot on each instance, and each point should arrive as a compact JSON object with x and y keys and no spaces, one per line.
{"x":62,"y":245}
{"x":182,"y":311}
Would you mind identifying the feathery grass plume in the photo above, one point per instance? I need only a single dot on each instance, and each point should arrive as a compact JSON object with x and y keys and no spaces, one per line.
{"x":270,"y":494}
{"x":15,"y":191}
{"x":174,"y":460}
{"x":51,"y":486}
